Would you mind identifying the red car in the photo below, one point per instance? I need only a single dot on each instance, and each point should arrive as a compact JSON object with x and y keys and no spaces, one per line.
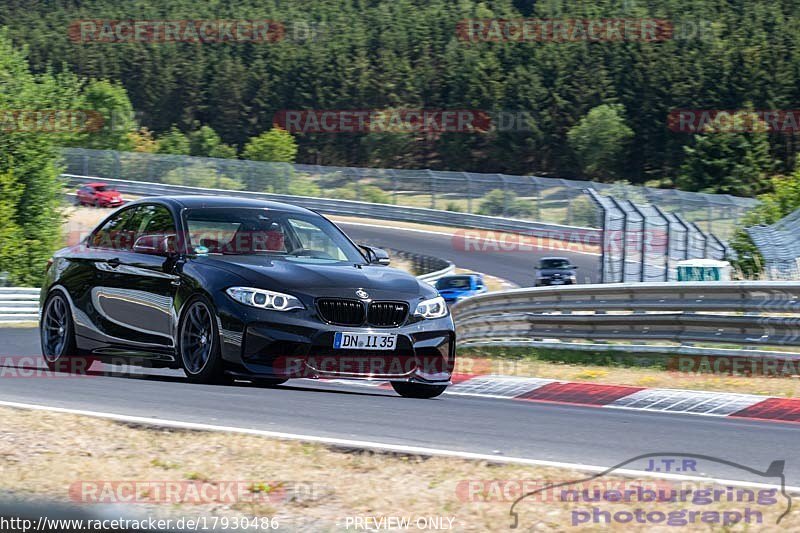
{"x":98,"y":194}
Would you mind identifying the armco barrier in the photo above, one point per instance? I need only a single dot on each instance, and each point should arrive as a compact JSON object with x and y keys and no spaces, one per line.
{"x":587,"y":236}
{"x":740,"y":313}
{"x":19,"y":304}
{"x":429,"y":268}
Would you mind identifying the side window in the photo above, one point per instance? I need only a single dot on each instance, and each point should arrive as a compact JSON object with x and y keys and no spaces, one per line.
{"x":118,"y":231}
{"x":154,"y":230}
{"x":156,"y":220}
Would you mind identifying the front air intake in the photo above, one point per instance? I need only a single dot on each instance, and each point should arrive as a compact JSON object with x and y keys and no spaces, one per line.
{"x":341,"y":312}
{"x":387,"y":314}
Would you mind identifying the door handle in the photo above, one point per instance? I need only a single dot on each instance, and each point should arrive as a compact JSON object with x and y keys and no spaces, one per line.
{"x":113,"y":263}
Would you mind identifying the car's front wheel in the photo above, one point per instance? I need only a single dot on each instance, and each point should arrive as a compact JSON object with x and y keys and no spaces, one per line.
{"x":57,"y":334}
{"x":417,"y":390}
{"x":198,"y":343}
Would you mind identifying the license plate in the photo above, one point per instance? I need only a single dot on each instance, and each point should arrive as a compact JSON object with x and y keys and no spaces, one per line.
{"x":343,"y":340}
{"x":557,"y":282}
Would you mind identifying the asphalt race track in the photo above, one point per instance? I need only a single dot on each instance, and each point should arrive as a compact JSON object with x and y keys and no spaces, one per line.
{"x":516,"y":265}
{"x":500,"y":427}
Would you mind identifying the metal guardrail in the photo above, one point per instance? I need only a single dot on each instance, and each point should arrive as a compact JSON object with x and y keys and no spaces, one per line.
{"x":363,"y":209}
{"x":428,"y":268}
{"x":19,"y":304}
{"x":738,"y":313}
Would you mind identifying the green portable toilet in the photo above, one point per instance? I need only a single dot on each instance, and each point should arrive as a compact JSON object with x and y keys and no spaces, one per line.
{"x":703,"y":270}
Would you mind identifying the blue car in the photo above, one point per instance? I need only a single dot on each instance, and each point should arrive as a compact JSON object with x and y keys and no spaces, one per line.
{"x":455,"y":288}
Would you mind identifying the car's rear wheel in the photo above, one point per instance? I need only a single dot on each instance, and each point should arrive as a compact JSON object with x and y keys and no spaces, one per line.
{"x":198,"y":343}
{"x":57,"y":334}
{"x":417,"y":390}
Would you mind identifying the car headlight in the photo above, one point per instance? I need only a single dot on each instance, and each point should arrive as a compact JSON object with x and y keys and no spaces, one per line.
{"x":263,"y":299}
{"x":433,"y":308}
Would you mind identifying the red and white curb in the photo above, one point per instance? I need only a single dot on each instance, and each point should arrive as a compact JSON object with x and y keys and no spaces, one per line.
{"x":705,"y":403}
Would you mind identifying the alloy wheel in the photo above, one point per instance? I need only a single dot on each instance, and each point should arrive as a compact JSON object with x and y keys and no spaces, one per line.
{"x":197,"y":338}
{"x":55,"y":328}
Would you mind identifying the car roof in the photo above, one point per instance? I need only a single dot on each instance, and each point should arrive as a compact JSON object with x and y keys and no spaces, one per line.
{"x":196,"y":202}
{"x":95,"y":184}
{"x":553,"y":257}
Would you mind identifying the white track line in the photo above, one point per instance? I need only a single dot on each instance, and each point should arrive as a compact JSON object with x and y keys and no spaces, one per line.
{"x":384,"y":447}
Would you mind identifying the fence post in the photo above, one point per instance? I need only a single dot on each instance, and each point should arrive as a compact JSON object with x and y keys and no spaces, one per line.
{"x":394,"y":186}
{"x":469,"y":191}
{"x":643,"y":255}
{"x":603,"y":231}
{"x":117,"y":165}
{"x":432,"y":184}
{"x":668,"y":251}
{"x":505,"y":194}
{"x":624,"y":238}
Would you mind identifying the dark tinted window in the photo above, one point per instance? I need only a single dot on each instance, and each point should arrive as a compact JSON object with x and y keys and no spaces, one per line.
{"x":455,"y":282}
{"x":121,"y":231}
{"x":151,"y":224}
{"x":555,"y":263}
{"x":118,"y":231}
{"x":155,"y":219}
{"x":246,"y":231}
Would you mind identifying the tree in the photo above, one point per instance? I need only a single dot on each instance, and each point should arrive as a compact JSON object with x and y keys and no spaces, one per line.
{"x":504,"y":203}
{"x":275,"y":145}
{"x":223,"y":151}
{"x":30,"y":208}
{"x":205,"y":142}
{"x":142,"y":141}
{"x":728,"y":160}
{"x":599,"y":140}
{"x":112,"y":102}
{"x":173,"y":142}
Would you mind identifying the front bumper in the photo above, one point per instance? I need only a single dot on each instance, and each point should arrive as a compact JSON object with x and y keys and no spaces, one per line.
{"x":110,"y":203}
{"x":549,"y":281}
{"x":270,"y":344}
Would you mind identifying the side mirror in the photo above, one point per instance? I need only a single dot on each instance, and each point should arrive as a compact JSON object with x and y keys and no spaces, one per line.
{"x":376,"y":256}
{"x":155,"y":245}
{"x":574,"y":267}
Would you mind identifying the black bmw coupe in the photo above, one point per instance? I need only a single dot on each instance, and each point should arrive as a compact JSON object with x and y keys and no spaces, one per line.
{"x":229,"y":288}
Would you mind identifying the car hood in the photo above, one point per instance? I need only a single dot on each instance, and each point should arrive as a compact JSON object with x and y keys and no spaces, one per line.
{"x":307,"y":277}
{"x":108,"y":194}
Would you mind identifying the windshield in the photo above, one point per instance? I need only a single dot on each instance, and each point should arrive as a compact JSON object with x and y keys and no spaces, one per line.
{"x":459,"y":282}
{"x":101,"y":188}
{"x":555,"y":263}
{"x":255,"y":231}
